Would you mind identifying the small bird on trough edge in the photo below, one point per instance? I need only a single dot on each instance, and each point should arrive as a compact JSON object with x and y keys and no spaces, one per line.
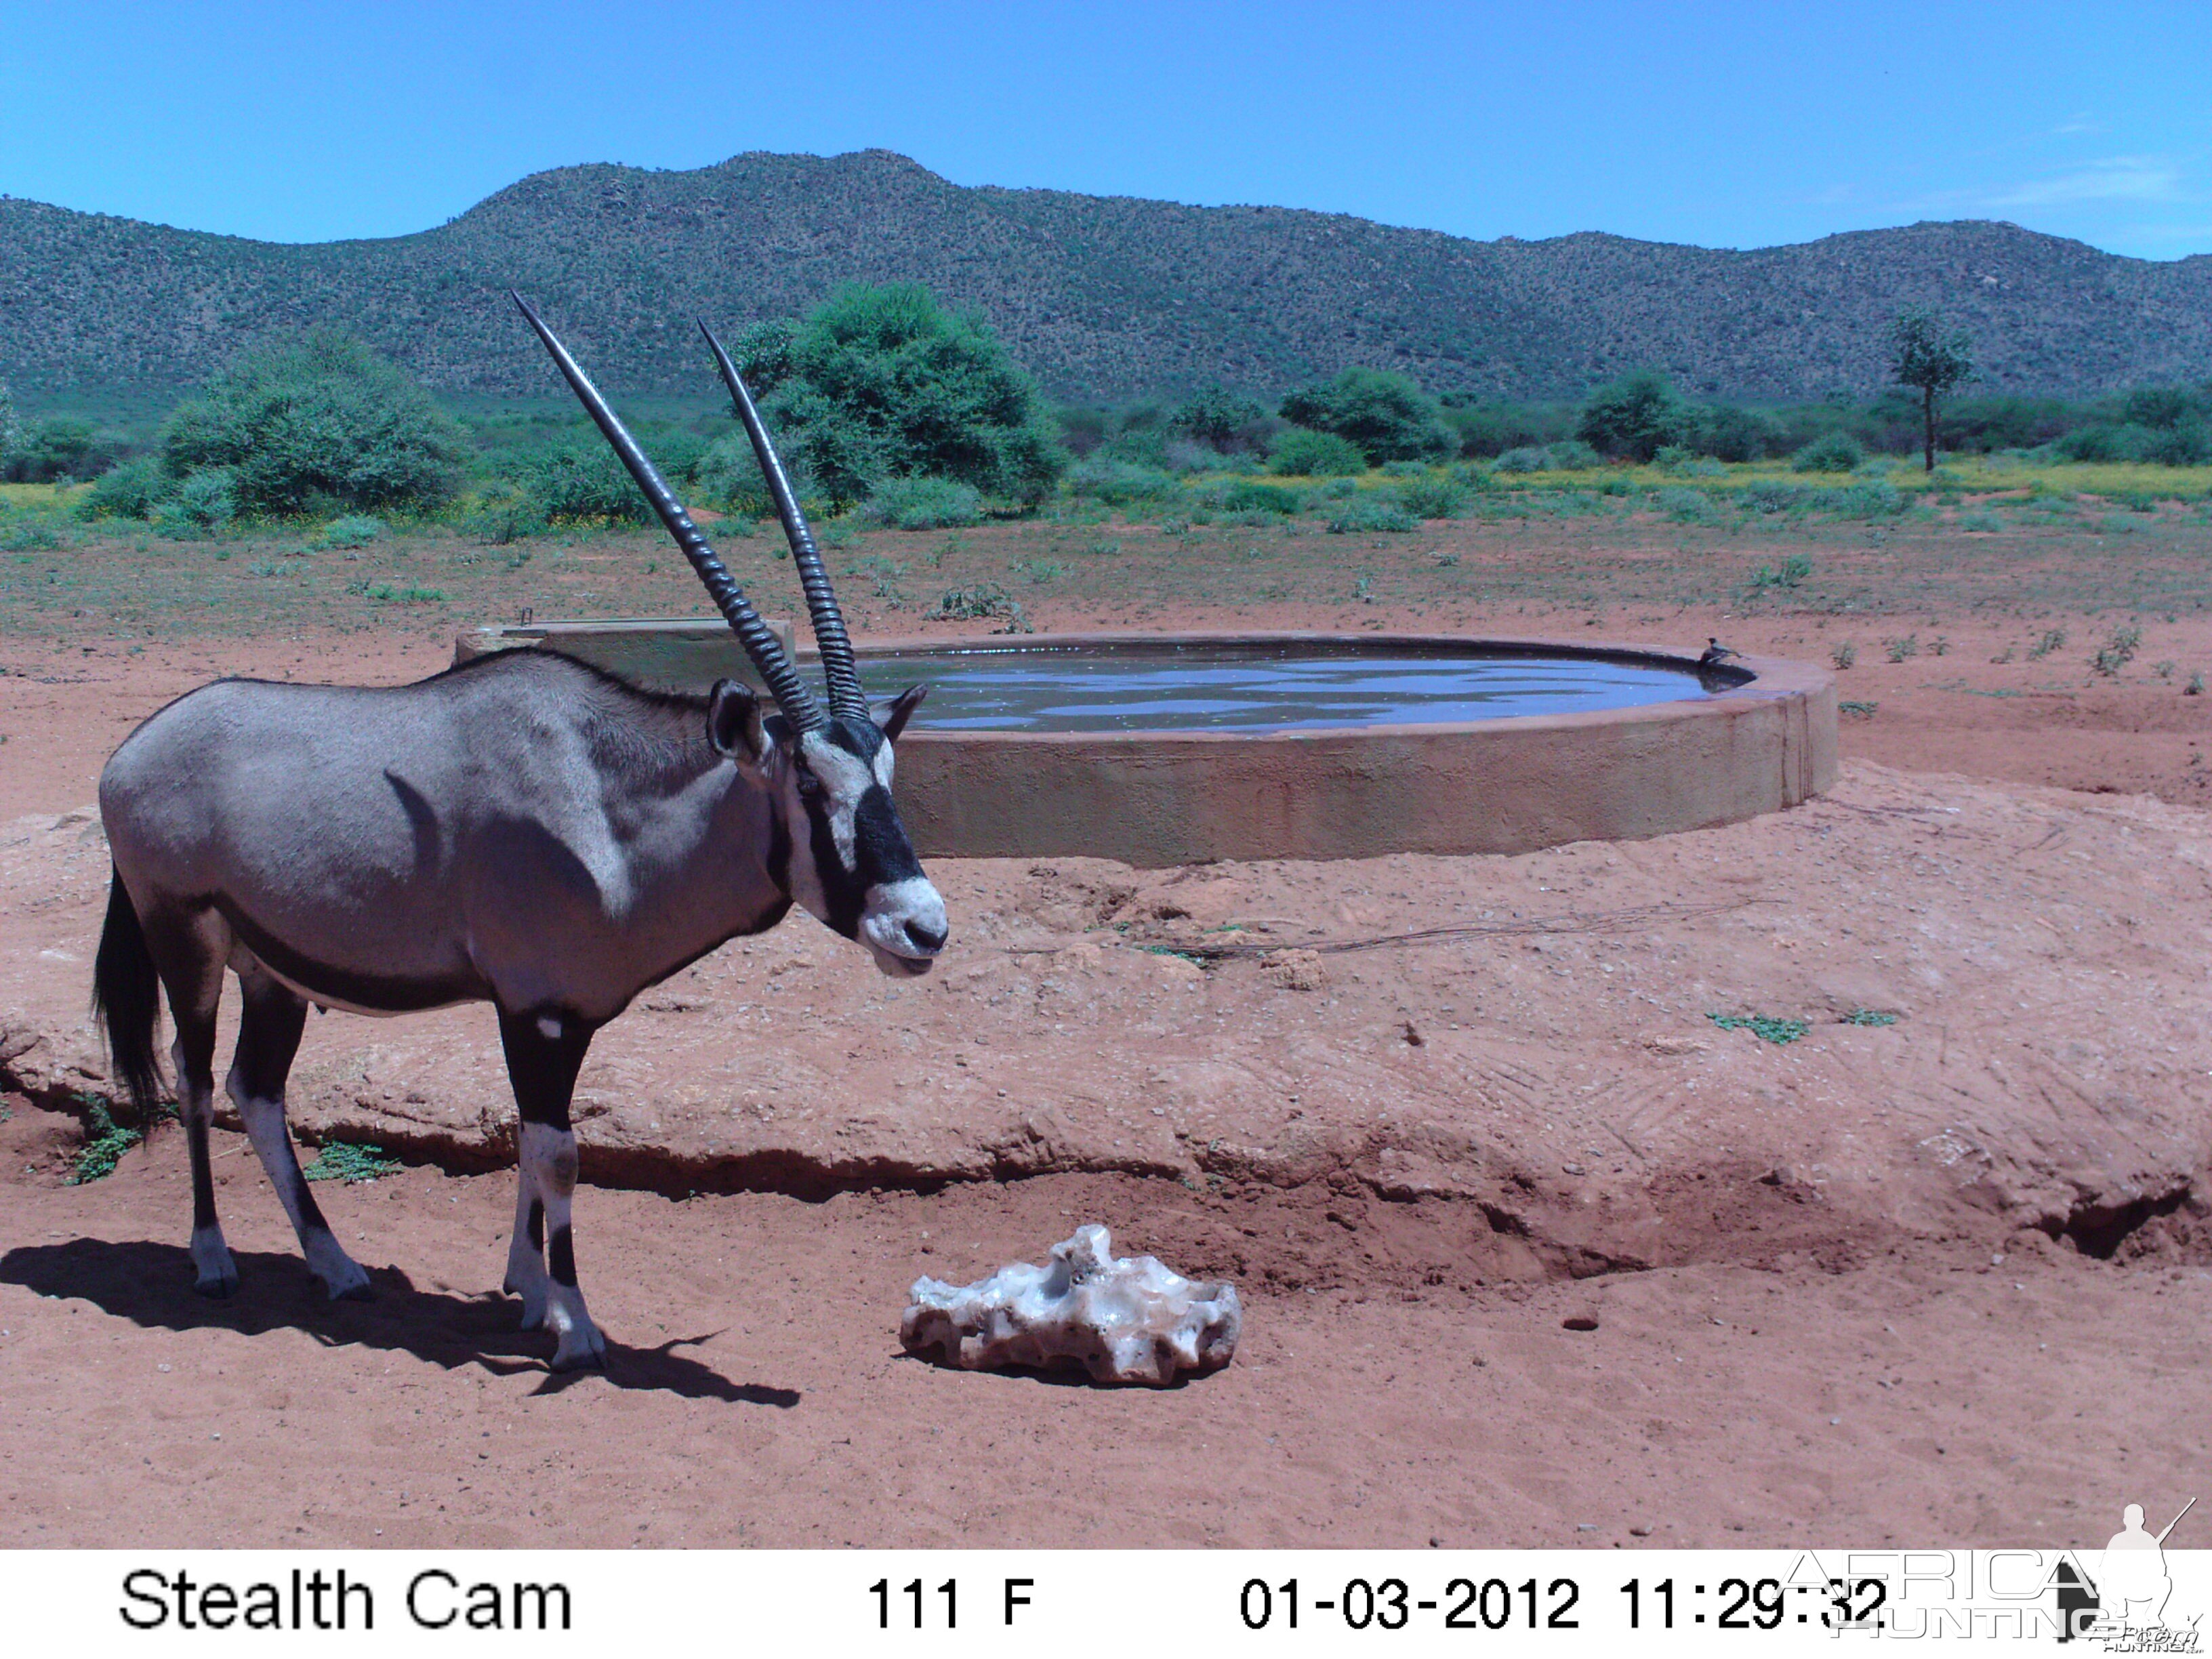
{"x":1715,"y":654}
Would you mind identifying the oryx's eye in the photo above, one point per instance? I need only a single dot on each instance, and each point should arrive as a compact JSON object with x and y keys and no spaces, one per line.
{"x":809,"y":786}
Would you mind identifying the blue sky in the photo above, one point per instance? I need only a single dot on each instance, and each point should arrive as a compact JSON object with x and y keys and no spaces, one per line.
{"x":1724,"y":124}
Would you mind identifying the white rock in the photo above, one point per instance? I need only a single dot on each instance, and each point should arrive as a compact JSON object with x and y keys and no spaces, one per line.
{"x":1128,"y":1320}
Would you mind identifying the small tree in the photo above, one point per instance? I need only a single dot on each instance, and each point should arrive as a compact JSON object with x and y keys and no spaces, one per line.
{"x":1218,"y":417}
{"x":317,"y":423}
{"x":885,"y":383}
{"x":1923,"y":356}
{"x":1385,"y":413}
{"x":1636,"y":416}
{"x":9,"y":431}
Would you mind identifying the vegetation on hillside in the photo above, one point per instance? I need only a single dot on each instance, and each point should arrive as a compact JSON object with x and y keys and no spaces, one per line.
{"x":1105,"y":298}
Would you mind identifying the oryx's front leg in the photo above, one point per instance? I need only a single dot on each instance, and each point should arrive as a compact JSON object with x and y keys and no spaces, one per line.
{"x":544,"y":1051}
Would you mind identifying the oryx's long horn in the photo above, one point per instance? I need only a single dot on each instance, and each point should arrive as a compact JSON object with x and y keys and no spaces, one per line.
{"x":846,"y":696}
{"x":760,"y":643}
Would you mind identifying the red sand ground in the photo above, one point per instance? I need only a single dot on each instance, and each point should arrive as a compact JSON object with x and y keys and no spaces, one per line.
{"x":1828,"y":1306}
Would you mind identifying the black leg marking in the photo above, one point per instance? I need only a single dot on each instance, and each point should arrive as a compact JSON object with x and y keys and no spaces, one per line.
{"x":195,"y":1138}
{"x":560,"y":1258}
{"x":546,"y":1050}
{"x":536,"y":1225}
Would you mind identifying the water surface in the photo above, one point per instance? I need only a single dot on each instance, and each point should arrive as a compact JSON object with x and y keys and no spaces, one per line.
{"x":1260,"y":689}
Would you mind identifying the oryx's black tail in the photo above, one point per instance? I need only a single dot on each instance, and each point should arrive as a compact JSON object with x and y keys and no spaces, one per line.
{"x":126,"y":999}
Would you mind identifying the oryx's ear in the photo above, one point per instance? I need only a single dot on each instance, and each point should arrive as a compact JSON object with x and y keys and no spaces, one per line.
{"x":734,"y":723}
{"x":891,"y":716}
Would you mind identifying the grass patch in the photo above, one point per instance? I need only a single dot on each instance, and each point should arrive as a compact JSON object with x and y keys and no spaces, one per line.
{"x":1868,"y":1017}
{"x":341,"y":1161}
{"x":1766,"y":1027}
{"x":105,"y":1143}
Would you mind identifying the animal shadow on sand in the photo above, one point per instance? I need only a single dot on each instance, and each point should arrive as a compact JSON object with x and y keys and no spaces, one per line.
{"x":151,"y":1284}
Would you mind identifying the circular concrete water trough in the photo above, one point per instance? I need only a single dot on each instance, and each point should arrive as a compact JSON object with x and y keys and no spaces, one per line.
{"x":1631,"y":742}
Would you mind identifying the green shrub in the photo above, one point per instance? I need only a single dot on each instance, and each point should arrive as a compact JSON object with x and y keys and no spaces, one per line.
{"x":1121,"y":484}
{"x":355,"y":529}
{"x":924,"y":504}
{"x":205,"y":500}
{"x":1385,"y":414}
{"x":1301,"y":452}
{"x":1372,"y":510}
{"x":1728,"y":434}
{"x":131,"y":490}
{"x":1219,"y":418}
{"x":1528,"y":458}
{"x":1873,"y":499}
{"x":1433,"y":497}
{"x":1684,"y":506}
{"x":1773,"y":495}
{"x":885,"y":383}
{"x":1249,"y":496}
{"x":1634,"y":417}
{"x":317,"y":423}
{"x":1573,"y":455}
{"x":585,"y":483}
{"x":1837,"y":452}
{"x":728,"y":476}
{"x":503,"y":513}
{"x":59,"y":451}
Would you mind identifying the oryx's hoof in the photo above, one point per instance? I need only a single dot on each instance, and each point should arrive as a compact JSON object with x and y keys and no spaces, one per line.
{"x":219,"y":1286}
{"x":532,"y":1297}
{"x":344,"y":1277}
{"x":582,"y":1348}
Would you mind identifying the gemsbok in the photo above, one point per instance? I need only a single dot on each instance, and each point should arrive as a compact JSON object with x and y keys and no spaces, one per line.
{"x":523,"y":831}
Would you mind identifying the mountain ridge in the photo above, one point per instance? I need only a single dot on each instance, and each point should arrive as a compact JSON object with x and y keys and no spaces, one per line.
{"x":1099,"y":295}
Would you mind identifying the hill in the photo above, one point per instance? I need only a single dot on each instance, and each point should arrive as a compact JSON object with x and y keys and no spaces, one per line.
{"x":1100,"y":296}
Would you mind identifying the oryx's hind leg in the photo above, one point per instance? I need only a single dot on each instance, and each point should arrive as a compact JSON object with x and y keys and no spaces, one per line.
{"x":544,"y":1052}
{"x":188,"y":951}
{"x":268,"y":1037}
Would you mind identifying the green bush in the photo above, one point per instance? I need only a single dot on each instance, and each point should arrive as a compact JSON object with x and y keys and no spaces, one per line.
{"x":1728,"y":434}
{"x":1873,"y":499}
{"x":59,"y":451}
{"x":1432,"y":498}
{"x":1527,"y":459}
{"x":1121,"y":484}
{"x":924,"y":504}
{"x":1684,"y":506}
{"x":1248,"y":495}
{"x":885,"y":383}
{"x":503,"y":513}
{"x":317,"y":423}
{"x":131,"y":490}
{"x":205,"y":500}
{"x":1573,"y":455}
{"x":1634,"y":417}
{"x":1222,"y":419}
{"x":1837,"y":452}
{"x":585,"y":483}
{"x":1372,"y":510}
{"x":355,"y":529}
{"x":1386,"y":414}
{"x":728,"y":476}
{"x":1301,"y":453}
{"x":1772,"y":496}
